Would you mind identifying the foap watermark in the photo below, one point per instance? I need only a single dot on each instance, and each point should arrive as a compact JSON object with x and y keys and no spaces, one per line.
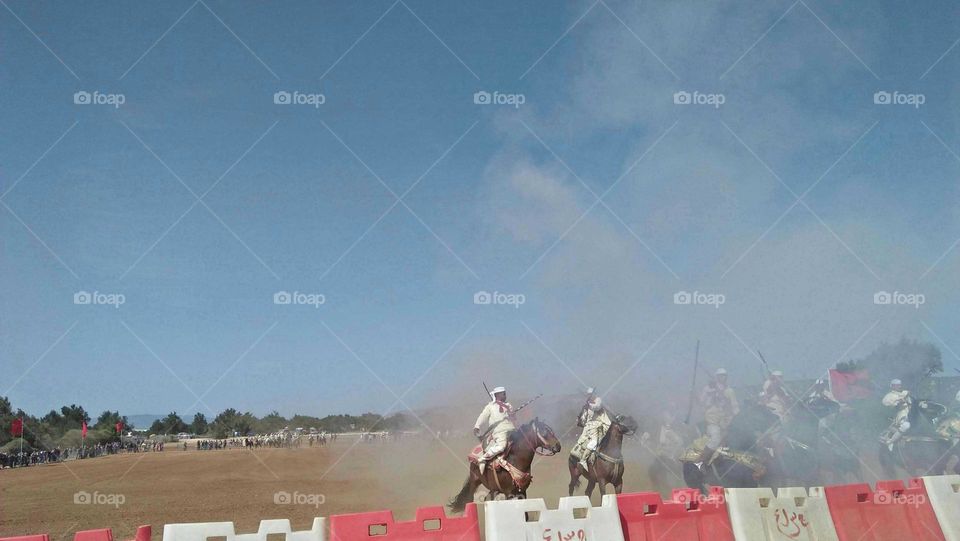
{"x":882,"y":97}
{"x":297,"y":498}
{"x":282,"y":97}
{"x":509,"y":299}
{"x":899,"y":298}
{"x":698,"y":98}
{"x":96,"y":498}
{"x":297,"y":297}
{"x":694,"y":499}
{"x":82,"y":97}
{"x":699,"y":298}
{"x":482,"y":97}
{"x":108,"y":299}
{"x":899,"y":498}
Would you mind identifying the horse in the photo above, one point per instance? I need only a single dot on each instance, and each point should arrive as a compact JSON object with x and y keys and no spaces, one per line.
{"x":796,"y":460}
{"x":743,"y":468}
{"x":607,"y":468}
{"x":921,"y":450}
{"x":523,"y":444}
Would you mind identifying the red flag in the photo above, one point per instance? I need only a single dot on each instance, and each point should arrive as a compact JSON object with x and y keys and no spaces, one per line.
{"x":16,"y":427}
{"x":83,"y":430}
{"x":850,"y":385}
{"x":119,"y":427}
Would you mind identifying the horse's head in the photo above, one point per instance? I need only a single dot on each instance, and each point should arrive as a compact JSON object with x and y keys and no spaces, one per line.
{"x":546,"y":437}
{"x":930,"y":408}
{"x":625,"y":424}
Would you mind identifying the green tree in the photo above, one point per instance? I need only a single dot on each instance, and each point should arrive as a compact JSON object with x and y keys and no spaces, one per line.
{"x":199,"y":425}
{"x":911,"y":361}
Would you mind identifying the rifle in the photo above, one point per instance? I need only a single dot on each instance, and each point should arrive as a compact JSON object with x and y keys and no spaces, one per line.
{"x":693,"y":384}
{"x":766,"y":367}
{"x":525,"y":404}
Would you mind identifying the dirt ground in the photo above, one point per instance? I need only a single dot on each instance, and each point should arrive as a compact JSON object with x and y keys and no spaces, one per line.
{"x":240,"y":486}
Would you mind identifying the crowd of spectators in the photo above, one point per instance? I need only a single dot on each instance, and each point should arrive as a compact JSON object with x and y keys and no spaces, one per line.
{"x":17,"y":459}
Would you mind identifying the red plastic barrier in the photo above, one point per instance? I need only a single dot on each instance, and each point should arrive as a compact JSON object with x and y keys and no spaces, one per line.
{"x":143,"y":533}
{"x":893,"y":511}
{"x":37,"y":537}
{"x":686,"y":516}
{"x":105,"y":534}
{"x":431,"y":524}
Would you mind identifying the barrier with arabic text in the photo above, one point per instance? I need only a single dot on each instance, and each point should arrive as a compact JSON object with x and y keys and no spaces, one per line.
{"x":575,"y":519}
{"x":791,"y":513}
{"x":686,"y":516}
{"x":430,"y":524}
{"x":893,"y":511}
{"x":944,"y":494}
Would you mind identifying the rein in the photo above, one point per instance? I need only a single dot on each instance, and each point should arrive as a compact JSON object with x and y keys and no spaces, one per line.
{"x":542,"y":443}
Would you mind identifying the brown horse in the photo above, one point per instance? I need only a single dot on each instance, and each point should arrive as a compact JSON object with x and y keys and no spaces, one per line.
{"x":524,"y":444}
{"x":607,"y":468}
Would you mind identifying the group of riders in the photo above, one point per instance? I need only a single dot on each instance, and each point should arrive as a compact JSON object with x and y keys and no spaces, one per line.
{"x":737,"y":445}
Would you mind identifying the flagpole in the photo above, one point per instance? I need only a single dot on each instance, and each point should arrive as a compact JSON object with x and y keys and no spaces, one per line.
{"x":21,"y":436}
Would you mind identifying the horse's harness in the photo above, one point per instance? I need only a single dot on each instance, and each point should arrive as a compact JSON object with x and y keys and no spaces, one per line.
{"x":522,"y":479}
{"x":541,"y":440}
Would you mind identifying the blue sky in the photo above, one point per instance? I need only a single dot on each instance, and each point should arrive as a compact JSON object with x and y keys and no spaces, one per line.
{"x":304,"y":199}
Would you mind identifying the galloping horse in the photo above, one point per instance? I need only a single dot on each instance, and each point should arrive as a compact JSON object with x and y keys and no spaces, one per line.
{"x":921,"y":450}
{"x":607,"y":468}
{"x":524,"y":444}
{"x":747,"y":435}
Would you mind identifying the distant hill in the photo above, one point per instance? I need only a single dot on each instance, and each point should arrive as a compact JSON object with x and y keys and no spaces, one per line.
{"x":143,"y":420}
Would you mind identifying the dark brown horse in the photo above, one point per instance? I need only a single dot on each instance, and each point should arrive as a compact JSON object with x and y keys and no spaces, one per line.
{"x":607,"y":468}
{"x":524,"y":444}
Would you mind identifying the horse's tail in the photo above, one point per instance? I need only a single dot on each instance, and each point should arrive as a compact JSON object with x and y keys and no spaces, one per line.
{"x":460,"y":501}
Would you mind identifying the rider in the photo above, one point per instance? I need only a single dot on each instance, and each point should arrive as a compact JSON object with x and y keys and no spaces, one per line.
{"x":595,"y":421}
{"x":497,"y":417}
{"x":821,"y":394}
{"x":774,"y":395}
{"x":720,"y":407}
{"x":897,"y":398}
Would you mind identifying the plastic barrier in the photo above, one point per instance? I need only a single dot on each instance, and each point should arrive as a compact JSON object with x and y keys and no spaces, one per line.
{"x":37,"y":537}
{"x":143,"y":533}
{"x":200,"y":531}
{"x":104,"y":534}
{"x":944,"y":494}
{"x":573,"y":520}
{"x":755,"y":513}
{"x":430,"y":524}
{"x":686,"y":516}
{"x":893,"y":512}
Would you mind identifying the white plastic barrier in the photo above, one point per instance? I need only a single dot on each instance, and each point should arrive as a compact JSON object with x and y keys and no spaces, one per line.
{"x":755,"y":513}
{"x":944,"y":494}
{"x":200,"y":531}
{"x":575,"y":519}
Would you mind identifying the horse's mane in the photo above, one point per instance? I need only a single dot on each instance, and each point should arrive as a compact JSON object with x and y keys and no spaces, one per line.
{"x":517,"y":435}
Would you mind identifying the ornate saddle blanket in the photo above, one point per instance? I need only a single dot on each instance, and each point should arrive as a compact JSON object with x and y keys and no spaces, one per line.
{"x":521,"y":479}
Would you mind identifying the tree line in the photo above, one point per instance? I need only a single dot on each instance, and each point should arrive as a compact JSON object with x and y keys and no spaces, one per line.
{"x":63,"y":428}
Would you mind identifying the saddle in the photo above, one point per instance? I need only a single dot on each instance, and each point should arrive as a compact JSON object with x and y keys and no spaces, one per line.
{"x":521,"y":479}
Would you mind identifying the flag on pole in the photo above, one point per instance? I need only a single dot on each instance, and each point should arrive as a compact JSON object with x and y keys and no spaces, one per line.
{"x":83,"y":430}
{"x":16,"y":427}
{"x":119,"y":427}
{"x":850,"y":385}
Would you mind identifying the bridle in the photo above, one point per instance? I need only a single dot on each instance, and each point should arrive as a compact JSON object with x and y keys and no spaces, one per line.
{"x":542,"y":442}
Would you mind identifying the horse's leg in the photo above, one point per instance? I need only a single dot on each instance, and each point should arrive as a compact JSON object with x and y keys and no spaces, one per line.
{"x":574,"y":468}
{"x":618,"y":481}
{"x":590,"y":484}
